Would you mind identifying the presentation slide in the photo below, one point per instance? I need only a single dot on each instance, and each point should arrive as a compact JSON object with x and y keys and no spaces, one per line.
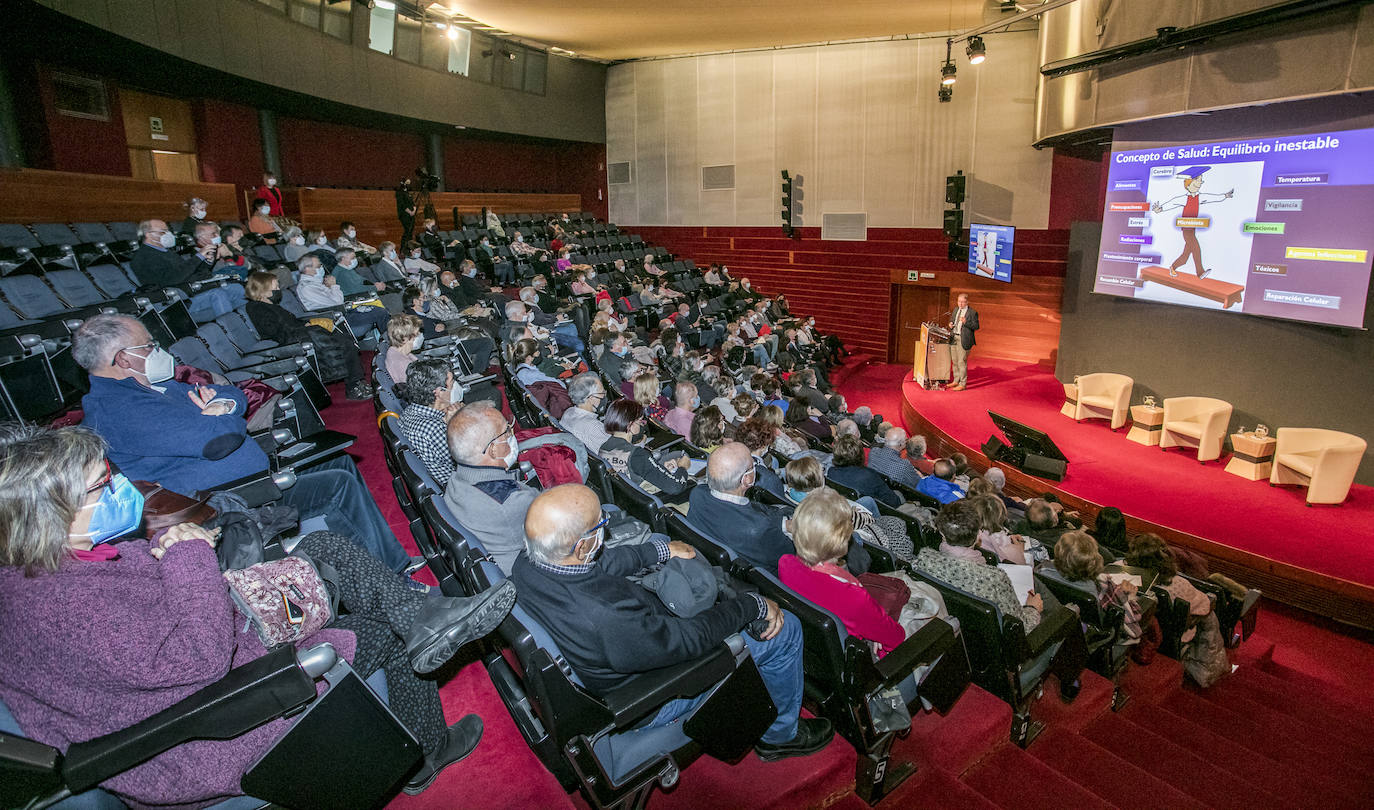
{"x":1271,"y":226}
{"x":989,"y":250}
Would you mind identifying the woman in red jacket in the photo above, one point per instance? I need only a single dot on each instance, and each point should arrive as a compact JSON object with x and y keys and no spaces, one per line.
{"x":268,"y":191}
{"x":821,"y":528}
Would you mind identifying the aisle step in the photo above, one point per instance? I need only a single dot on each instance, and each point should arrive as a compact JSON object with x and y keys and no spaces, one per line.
{"x":1107,"y":775}
{"x":1259,"y":728}
{"x":1263,"y":769}
{"x":1251,"y":683}
{"x":1337,"y":696}
{"x":1094,"y":699}
{"x":934,"y":789}
{"x":976,"y":724}
{"x":1153,"y":682}
{"x":1187,"y":771}
{"x":1015,"y":780}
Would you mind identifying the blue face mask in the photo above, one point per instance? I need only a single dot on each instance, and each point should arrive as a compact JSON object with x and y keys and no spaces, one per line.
{"x":118,"y":512}
{"x":696,"y":402}
{"x":796,"y":494}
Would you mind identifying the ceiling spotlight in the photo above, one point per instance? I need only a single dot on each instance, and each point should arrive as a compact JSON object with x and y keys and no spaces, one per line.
{"x":948,"y":73}
{"x":946,"y":93}
{"x":452,"y":33}
{"x":976,"y":50}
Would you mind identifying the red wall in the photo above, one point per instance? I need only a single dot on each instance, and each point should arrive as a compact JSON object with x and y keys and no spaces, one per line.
{"x":229,"y":142}
{"x":474,"y":164}
{"x":846,"y":285}
{"x":319,"y":154}
{"x":1078,"y":190}
{"x":82,"y":144}
{"x":582,"y":169}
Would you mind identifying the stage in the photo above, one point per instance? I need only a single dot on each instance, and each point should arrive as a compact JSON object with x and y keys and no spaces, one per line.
{"x":1319,"y":558}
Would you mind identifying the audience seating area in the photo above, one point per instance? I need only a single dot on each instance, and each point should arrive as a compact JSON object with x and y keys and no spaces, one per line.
{"x":990,"y":728}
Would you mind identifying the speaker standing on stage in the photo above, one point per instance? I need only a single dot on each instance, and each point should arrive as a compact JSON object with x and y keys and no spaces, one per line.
{"x":963,"y":323}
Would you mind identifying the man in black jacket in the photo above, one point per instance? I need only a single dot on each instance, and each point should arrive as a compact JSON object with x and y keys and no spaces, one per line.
{"x":157,"y":264}
{"x":963,"y":322}
{"x":722,"y":509}
{"x":610,"y":629}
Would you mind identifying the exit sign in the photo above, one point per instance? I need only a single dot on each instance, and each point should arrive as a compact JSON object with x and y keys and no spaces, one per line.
{"x":912,"y":275}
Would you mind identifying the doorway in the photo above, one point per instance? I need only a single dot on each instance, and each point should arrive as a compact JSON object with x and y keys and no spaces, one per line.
{"x":161,"y":135}
{"x":915,"y":305}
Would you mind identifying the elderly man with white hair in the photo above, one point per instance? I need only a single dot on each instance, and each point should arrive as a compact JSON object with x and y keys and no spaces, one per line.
{"x":588,"y":395}
{"x":564,"y":331}
{"x":611,"y":629}
{"x":723,"y":510}
{"x":887,"y":460}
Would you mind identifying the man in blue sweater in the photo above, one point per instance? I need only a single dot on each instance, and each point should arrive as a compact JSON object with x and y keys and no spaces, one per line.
{"x":940,"y":485}
{"x":609,"y":628}
{"x":192,"y":438}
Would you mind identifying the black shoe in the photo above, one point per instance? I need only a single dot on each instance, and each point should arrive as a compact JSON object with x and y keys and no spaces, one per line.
{"x":1070,"y":691}
{"x":446,"y":624}
{"x":813,"y":734}
{"x":359,"y":390}
{"x":460,"y":740}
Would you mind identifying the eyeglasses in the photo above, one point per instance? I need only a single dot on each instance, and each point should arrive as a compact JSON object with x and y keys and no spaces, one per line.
{"x":104,"y":479}
{"x":510,"y":428}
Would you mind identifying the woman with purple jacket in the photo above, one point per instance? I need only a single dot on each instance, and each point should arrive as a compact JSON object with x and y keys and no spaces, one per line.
{"x":99,"y":635}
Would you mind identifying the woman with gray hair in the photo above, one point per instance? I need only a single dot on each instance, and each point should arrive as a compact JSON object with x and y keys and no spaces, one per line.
{"x":196,"y":211}
{"x":115,"y":633}
{"x":293,"y":244}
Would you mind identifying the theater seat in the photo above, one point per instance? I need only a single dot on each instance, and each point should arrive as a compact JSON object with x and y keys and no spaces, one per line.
{"x":1103,"y":396}
{"x":1199,"y":422}
{"x":1324,"y":460}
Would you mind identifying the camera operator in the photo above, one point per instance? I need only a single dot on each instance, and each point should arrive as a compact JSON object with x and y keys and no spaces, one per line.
{"x":405,"y":209}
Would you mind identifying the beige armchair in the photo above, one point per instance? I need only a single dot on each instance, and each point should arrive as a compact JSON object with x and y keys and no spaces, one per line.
{"x":1324,"y":460}
{"x":1104,"y":396}
{"x":1199,"y":422}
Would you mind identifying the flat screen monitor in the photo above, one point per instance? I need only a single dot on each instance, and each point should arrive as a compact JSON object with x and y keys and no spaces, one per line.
{"x":1273,"y":226}
{"x":989,"y":250}
{"x":1026,"y":438}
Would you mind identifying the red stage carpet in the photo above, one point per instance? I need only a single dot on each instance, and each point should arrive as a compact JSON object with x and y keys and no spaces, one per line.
{"x":1167,"y":488}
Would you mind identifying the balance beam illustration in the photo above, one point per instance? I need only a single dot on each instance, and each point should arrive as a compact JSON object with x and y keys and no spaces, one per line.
{"x":1223,"y":292}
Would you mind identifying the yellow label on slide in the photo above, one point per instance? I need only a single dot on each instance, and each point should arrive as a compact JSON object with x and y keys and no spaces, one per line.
{"x":1327,"y":254}
{"x":1192,"y":222}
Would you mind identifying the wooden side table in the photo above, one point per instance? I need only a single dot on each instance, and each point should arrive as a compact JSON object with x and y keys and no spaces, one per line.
{"x":1252,"y":457}
{"x":1070,"y":400}
{"x":1147,"y":423}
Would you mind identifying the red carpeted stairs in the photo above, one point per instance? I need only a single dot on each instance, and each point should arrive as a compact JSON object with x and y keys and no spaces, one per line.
{"x":1292,"y":727}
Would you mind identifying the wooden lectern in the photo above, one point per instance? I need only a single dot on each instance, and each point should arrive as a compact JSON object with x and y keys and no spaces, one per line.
{"x":932,"y":356}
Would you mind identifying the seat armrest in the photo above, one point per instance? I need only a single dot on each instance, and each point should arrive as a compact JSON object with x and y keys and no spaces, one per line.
{"x":247,"y":697}
{"x":1053,"y":626}
{"x":645,"y":694}
{"x":923,"y":647}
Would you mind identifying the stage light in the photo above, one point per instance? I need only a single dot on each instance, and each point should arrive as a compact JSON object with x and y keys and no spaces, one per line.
{"x":453,"y":33}
{"x":946,"y":93}
{"x":949,"y":73}
{"x":976,"y":50}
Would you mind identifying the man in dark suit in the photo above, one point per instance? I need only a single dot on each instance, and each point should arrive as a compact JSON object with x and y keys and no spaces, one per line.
{"x":721,"y":509}
{"x":405,"y":210}
{"x":963,"y":323}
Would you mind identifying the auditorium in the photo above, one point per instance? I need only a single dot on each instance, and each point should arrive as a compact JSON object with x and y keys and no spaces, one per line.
{"x":621,"y":405}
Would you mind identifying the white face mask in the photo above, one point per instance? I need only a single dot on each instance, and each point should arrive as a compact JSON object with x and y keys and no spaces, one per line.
{"x":167,"y":240}
{"x":271,"y":181}
{"x":215,"y":240}
{"x":417,"y":343}
{"x":198,"y":213}
{"x":298,"y":240}
{"x":455,"y":394}
{"x":264,"y":210}
{"x":350,"y":233}
{"x":349,"y":266}
{"x":519,"y":238}
{"x":512,"y":453}
{"x":158,"y":365}
{"x":391,"y":254}
{"x":415,"y":255}
{"x":472,"y":273}
{"x":323,"y":240}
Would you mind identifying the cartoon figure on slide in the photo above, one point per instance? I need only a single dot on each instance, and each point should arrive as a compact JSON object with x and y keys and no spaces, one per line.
{"x":1190,"y":203}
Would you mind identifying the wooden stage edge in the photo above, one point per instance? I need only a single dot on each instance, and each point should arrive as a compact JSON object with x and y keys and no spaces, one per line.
{"x":1345,"y":601}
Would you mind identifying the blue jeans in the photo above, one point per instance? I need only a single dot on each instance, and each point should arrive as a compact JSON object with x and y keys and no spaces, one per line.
{"x":779,"y":660}
{"x":365,"y":319}
{"x":210,"y":304}
{"x":565,"y":334}
{"x":334,"y":489}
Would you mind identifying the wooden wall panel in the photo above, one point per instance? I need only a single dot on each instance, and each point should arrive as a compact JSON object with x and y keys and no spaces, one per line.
{"x":374,"y":212}
{"x":32,"y":195}
{"x":848,"y":286}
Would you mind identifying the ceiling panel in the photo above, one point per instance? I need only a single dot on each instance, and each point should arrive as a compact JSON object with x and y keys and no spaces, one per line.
{"x":629,"y":29}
